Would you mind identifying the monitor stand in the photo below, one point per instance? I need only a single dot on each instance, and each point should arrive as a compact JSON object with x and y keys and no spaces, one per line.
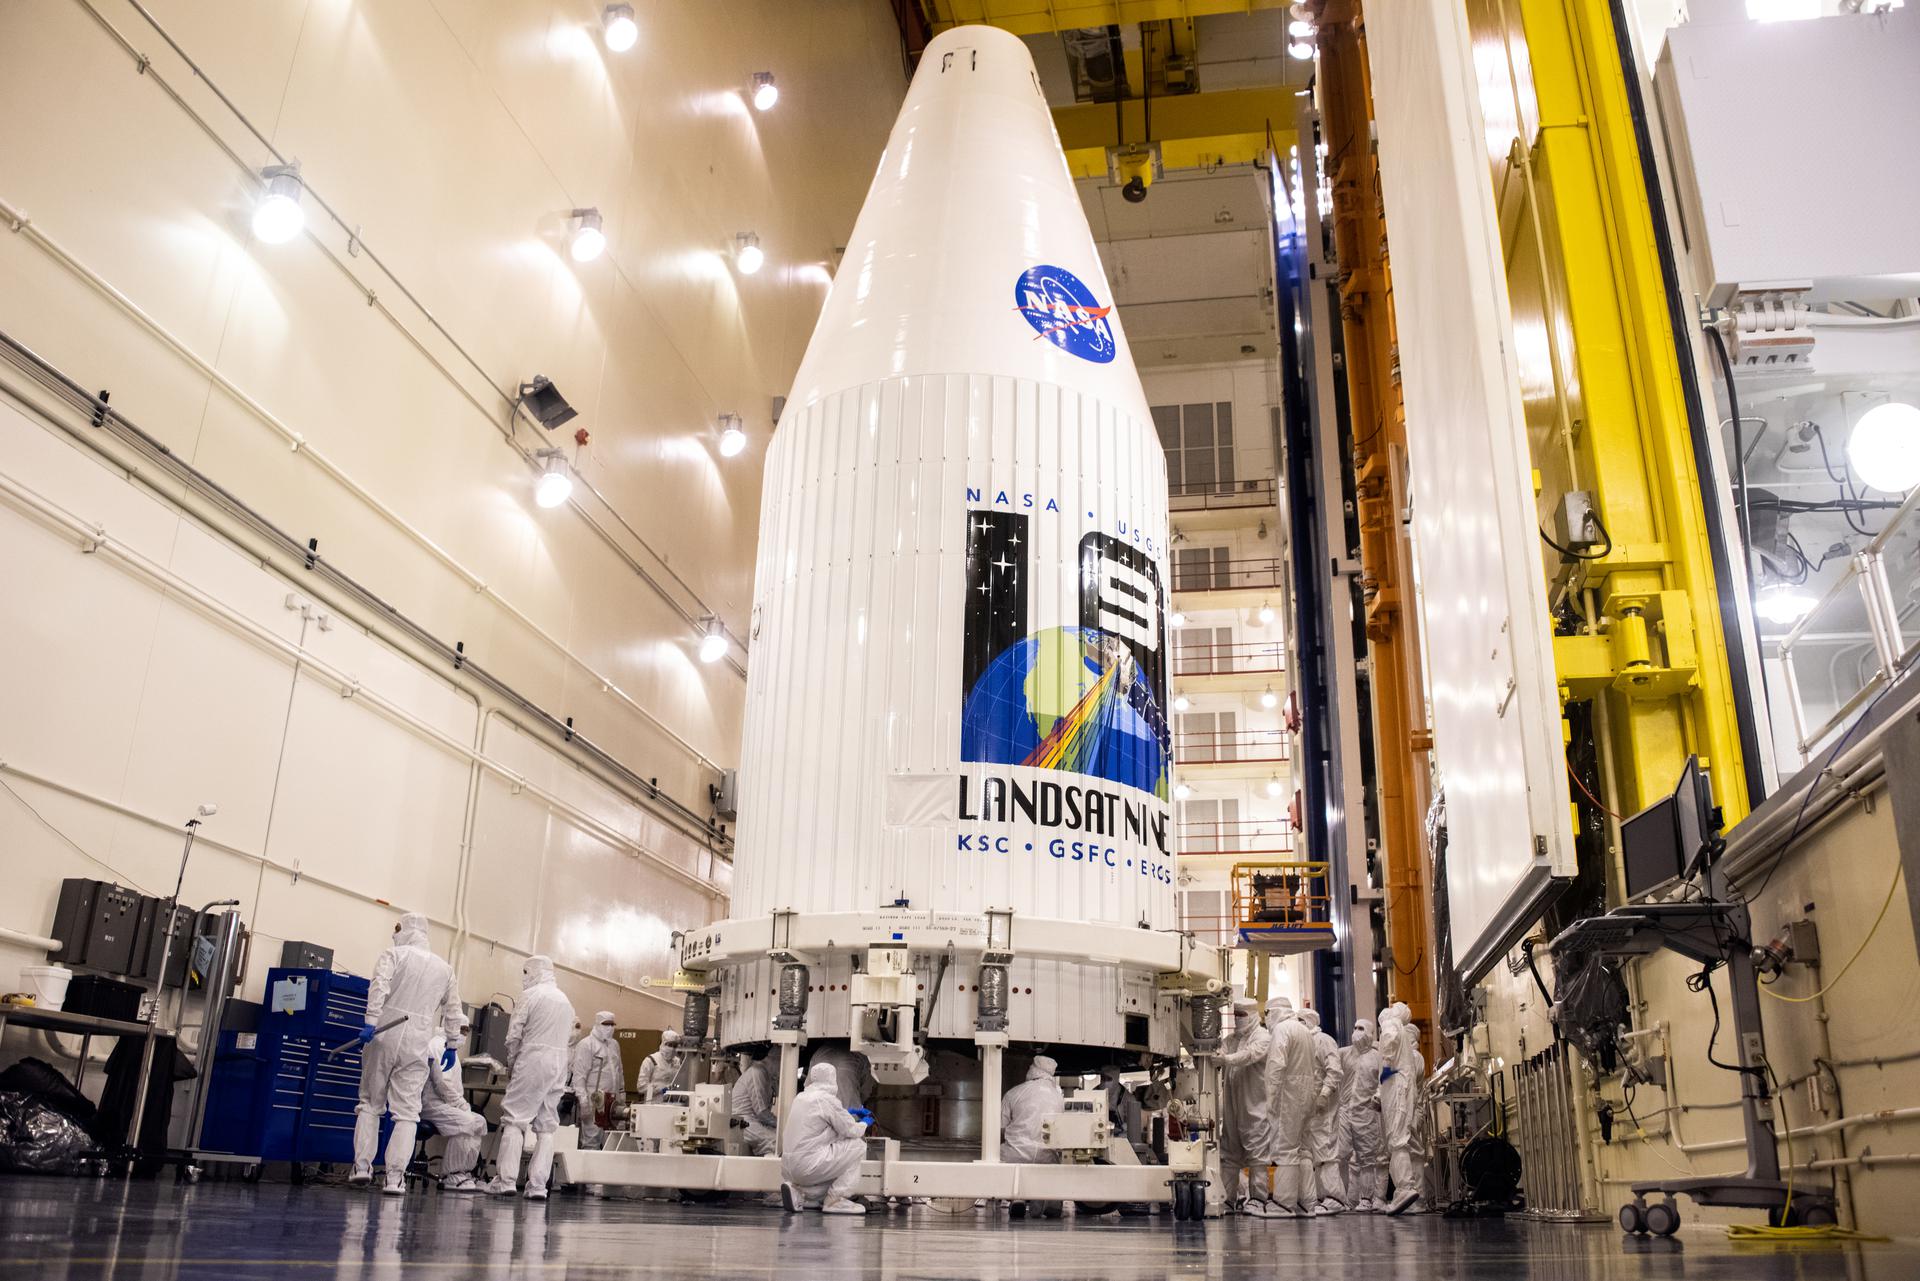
{"x":1713,"y":928}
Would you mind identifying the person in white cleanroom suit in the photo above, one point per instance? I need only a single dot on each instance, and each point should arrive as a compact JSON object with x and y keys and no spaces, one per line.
{"x":1024,"y":1108}
{"x":659,"y":1071}
{"x":408,"y":981}
{"x":1245,"y":1136}
{"x":1362,"y":1143}
{"x":1400,"y":1102}
{"x":1322,"y":1124}
{"x":598,"y":1079}
{"x":536,"y":1080}
{"x":825,"y":1145}
{"x":1292,"y":1086}
{"x":851,"y":1068}
{"x":753,"y":1098}
{"x":444,"y":1107}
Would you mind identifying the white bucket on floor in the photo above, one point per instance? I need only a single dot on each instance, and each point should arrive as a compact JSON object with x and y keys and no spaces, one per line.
{"x":48,"y":983}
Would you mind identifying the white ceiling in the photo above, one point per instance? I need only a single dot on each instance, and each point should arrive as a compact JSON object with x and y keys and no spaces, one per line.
{"x":1190,"y":267}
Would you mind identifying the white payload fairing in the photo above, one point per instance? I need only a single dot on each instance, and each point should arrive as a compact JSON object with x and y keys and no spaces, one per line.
{"x":957,"y":747}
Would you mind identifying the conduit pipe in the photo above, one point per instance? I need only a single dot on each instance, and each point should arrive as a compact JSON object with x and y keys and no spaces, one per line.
{"x":38,"y":942}
{"x":130,"y":432}
{"x":297,"y":443}
{"x":292,"y":873}
{"x":95,"y":539}
{"x":1867,"y":1160}
{"x":1672,"y":1110}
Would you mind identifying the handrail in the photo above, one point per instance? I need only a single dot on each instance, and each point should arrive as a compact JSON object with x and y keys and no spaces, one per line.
{"x":1866,"y":574}
{"x":1228,"y":575}
{"x":1280,"y":896}
{"x":1220,"y":747}
{"x":1251,"y":836}
{"x":1197,"y":658}
{"x":1223,"y":495}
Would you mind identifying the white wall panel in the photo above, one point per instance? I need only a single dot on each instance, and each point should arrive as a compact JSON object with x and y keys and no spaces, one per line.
{"x":1495,"y":708}
{"x":456,"y":137}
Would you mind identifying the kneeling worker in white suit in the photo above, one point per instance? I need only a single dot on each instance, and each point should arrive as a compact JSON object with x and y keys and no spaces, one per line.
{"x":825,"y":1145}
{"x":537,"y":1077}
{"x":444,"y":1107}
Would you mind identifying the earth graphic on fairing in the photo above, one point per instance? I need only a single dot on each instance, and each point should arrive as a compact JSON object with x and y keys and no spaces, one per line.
{"x":1068,"y":698}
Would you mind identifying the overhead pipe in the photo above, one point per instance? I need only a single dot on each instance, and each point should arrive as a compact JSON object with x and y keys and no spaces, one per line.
{"x":39,"y":942}
{"x":301,"y":874}
{"x":97,"y":540}
{"x":50,"y":376}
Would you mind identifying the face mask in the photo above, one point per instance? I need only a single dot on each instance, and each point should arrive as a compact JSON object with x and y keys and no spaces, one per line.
{"x":604,"y":1031}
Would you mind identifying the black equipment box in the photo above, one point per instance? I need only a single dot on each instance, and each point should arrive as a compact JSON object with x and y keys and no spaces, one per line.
{"x":96,"y":922}
{"x":103,"y":998}
{"x":295,"y":955}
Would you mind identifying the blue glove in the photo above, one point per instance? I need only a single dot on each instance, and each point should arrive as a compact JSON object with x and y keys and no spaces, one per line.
{"x":861,"y":1115}
{"x":448,"y":1058}
{"x":1387,"y":1072}
{"x":366,"y":1032}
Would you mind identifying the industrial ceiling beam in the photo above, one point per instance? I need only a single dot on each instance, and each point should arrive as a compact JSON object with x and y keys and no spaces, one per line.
{"x":1194,"y":130}
{"x":1036,"y":17}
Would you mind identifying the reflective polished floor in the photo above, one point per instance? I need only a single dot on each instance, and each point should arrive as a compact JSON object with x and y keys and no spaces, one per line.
{"x":74,"y":1230}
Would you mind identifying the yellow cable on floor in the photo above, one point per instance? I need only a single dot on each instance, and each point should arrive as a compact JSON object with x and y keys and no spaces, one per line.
{"x":1753,"y":1233}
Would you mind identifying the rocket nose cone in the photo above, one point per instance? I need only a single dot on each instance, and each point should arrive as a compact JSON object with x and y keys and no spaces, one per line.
{"x":994,"y":59}
{"x":972,"y":251}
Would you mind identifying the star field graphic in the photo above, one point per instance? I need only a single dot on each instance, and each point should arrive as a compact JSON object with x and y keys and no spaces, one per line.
{"x":1085,"y":699}
{"x":996,"y":614}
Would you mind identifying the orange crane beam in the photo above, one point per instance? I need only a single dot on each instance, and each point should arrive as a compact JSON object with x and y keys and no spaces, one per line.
{"x":1402,"y":735}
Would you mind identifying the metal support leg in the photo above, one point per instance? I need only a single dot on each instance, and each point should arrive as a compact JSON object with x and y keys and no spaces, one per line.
{"x":789,"y":1069}
{"x":990,"y":1102}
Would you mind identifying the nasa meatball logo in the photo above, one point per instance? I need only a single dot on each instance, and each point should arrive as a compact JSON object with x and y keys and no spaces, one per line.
{"x":1064,"y":311}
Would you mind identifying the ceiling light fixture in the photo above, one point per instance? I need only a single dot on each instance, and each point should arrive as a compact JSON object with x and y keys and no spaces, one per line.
{"x":1884,"y":448}
{"x":1266,"y":613}
{"x":1269,"y":699}
{"x":1300,"y":50}
{"x":713,"y":639}
{"x":589,"y":239}
{"x":1177,"y":618}
{"x":620,"y":28}
{"x":733,"y":436}
{"x":1300,"y":29}
{"x":277,"y":215}
{"x":1782,"y":606}
{"x":1181,"y":702}
{"x":749,"y":256}
{"x":1181,"y":791}
{"x":555,"y":485}
{"x":1274,"y":786}
{"x":765,"y":91}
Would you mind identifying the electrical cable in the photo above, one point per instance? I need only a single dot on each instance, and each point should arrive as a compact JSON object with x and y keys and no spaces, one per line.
{"x":1740,"y":504}
{"x":78,"y":848}
{"x":1898,"y":870}
{"x":1602,"y":554}
{"x":1582,"y":785}
{"x":1848,"y":493}
{"x":1703,"y":982}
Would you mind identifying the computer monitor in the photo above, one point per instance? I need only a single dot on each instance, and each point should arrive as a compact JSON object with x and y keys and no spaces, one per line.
{"x":1660,"y":845}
